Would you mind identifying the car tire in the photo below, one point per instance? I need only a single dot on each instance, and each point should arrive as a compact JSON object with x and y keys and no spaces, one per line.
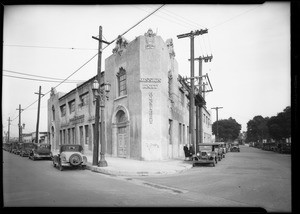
{"x":54,"y":164}
{"x":83,"y":167}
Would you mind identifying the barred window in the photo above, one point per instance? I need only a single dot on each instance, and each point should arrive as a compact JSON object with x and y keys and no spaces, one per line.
{"x":63,"y":110}
{"x":72,"y":106}
{"x":122,"y":90}
{"x":84,"y":99}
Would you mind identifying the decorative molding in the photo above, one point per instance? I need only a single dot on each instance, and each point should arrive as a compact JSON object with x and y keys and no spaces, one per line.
{"x":170,"y":46}
{"x":121,"y":45}
{"x":150,"y":40}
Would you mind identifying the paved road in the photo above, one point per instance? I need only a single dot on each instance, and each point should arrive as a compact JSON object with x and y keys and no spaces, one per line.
{"x":250,"y":178}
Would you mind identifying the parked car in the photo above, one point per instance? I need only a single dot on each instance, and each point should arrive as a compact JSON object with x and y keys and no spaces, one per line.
{"x":70,"y":155}
{"x":15,"y":148}
{"x":219,"y":151}
{"x":40,"y":151}
{"x":222,"y":148}
{"x":206,"y":155}
{"x":235,"y":148}
{"x":25,"y":149}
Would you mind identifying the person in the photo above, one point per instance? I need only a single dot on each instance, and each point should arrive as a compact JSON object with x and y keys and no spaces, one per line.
{"x":191,"y":150}
{"x":186,"y":151}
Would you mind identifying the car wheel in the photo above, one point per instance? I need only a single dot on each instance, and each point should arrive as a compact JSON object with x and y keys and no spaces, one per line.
{"x":33,"y":158}
{"x":83,"y":167}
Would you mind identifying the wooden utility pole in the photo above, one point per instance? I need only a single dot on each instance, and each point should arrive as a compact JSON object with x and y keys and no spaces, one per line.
{"x":217,"y":108}
{"x":199,"y":118}
{"x":20,"y":126}
{"x":38,"y":115}
{"x":192,"y":34}
{"x":100,"y":99}
{"x":8,"y":130}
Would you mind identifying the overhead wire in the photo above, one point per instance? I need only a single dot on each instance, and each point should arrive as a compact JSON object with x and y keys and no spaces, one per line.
{"x":92,"y":58}
{"x":40,"y":80}
{"x":49,"y":47}
{"x":32,"y":75}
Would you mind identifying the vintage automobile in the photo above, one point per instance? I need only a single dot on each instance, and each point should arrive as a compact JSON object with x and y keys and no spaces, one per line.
{"x":70,"y":155}
{"x":40,"y":151}
{"x":222,"y":148}
{"x":15,"y":148}
{"x":206,"y":155}
{"x":25,"y":149}
{"x":235,"y":147}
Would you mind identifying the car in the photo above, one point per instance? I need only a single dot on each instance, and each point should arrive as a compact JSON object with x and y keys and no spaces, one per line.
{"x":25,"y":149}
{"x":70,"y":155}
{"x":235,"y":148}
{"x":222,"y":147}
{"x":40,"y":151}
{"x":15,"y":148}
{"x":206,"y":154}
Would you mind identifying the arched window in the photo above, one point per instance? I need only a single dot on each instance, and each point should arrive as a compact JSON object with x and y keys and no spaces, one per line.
{"x":121,"y":76}
{"x":53,"y":113}
{"x":121,"y":117}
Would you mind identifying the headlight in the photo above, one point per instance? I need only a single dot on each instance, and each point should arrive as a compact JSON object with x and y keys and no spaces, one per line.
{"x":198,"y":154}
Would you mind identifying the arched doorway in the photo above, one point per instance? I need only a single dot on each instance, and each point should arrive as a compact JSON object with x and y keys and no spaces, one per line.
{"x":121,"y":120}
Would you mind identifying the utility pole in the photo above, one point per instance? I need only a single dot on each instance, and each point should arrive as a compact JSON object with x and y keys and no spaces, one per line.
{"x":199,"y":125}
{"x":217,"y":108}
{"x":8,"y":130}
{"x":192,"y":34}
{"x":38,"y":116}
{"x":100,"y":100}
{"x":20,"y":126}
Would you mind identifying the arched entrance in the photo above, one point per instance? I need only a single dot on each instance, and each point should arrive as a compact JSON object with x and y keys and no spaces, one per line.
{"x":121,"y":133}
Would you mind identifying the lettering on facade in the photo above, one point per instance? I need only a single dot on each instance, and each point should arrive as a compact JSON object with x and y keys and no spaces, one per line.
{"x":64,"y":125}
{"x":150,"y":83}
{"x":151,"y":80}
{"x":152,"y":147}
{"x":77,"y":119}
{"x":150,"y":107}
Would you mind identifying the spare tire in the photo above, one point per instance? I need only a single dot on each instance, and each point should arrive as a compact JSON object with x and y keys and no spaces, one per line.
{"x":75,"y":159}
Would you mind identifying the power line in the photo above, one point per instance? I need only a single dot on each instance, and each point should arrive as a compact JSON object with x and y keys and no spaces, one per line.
{"x":228,"y":20}
{"x":39,"y":76}
{"x":94,"y":56}
{"x":40,"y":80}
{"x":49,"y":47}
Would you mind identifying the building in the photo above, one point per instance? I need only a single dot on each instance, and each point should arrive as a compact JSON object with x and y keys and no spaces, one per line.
{"x":147,"y":111}
{"x":30,"y":137}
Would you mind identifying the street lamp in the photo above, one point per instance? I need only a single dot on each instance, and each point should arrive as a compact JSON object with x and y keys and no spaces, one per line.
{"x":100,"y":95}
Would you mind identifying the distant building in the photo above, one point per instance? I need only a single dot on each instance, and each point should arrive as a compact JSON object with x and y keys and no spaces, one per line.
{"x":147,"y":111}
{"x":30,"y":137}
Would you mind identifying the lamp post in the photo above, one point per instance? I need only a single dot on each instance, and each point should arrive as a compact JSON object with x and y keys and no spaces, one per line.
{"x":100,"y":94}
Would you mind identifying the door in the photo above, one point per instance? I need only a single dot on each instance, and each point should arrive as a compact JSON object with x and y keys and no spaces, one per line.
{"x":122,"y":152}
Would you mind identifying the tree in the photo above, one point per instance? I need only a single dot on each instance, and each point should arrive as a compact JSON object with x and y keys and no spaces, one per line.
{"x":228,"y":129}
{"x":257,"y":129}
{"x":280,"y":126}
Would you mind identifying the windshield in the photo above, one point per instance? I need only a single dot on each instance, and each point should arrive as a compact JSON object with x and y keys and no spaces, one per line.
{"x":205,"y":148}
{"x":46,"y":146}
{"x":75,"y":148}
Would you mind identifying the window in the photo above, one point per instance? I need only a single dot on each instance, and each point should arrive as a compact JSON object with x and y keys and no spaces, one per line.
{"x":72,"y":106}
{"x":63,"y":110}
{"x":53,"y":113}
{"x":84,"y":99}
{"x":181,"y":97}
{"x":122,"y":90}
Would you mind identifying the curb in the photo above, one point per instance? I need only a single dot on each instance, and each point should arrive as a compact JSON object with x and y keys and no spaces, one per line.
{"x":138,"y":173}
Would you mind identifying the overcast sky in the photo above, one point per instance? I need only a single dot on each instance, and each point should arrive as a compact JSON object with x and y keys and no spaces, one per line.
{"x":250,"y":44}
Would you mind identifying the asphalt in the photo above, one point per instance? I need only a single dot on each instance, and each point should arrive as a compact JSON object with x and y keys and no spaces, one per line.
{"x":130,"y":167}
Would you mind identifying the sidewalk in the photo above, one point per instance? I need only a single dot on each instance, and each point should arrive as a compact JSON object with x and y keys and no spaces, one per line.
{"x":130,"y":167}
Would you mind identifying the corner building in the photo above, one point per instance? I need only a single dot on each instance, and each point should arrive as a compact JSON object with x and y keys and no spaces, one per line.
{"x":147,"y":111}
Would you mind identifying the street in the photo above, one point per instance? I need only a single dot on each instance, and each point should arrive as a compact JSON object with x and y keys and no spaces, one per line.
{"x":250,"y":178}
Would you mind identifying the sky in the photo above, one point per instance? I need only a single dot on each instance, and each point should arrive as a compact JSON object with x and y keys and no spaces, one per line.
{"x":250,"y":44}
